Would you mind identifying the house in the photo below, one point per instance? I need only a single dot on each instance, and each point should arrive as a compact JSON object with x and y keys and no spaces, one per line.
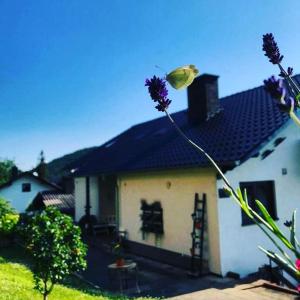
{"x":64,"y":202}
{"x":22,"y":189}
{"x":254,"y":143}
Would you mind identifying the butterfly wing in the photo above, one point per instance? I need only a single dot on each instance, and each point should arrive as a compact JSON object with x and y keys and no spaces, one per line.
{"x":182,"y":77}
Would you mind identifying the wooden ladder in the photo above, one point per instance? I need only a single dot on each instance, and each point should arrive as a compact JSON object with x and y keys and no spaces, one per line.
{"x":197,"y":234}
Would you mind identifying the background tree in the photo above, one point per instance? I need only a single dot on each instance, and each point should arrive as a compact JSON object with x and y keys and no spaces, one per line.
{"x":56,"y":246}
{"x":5,"y":207}
{"x":8,"y":222}
{"x":6,"y":167}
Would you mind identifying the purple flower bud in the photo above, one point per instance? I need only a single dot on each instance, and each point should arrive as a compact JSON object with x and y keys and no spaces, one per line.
{"x":289,"y":71}
{"x":275,"y":88}
{"x":158,"y":92}
{"x":288,"y":223}
{"x":157,"y":88}
{"x":271,"y":49}
{"x":163,"y":104}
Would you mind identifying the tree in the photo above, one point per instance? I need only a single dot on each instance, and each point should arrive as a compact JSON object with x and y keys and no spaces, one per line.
{"x":5,"y":208}
{"x":8,"y":222}
{"x":6,"y":167}
{"x":56,"y":246}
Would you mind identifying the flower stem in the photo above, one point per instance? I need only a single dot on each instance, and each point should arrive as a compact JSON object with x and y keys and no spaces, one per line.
{"x":203,"y":152}
{"x":290,"y":80}
{"x":294,"y":117}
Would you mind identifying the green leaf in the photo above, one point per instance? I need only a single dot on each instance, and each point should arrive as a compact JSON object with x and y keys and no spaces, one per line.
{"x":267,"y":216}
{"x":244,"y":203}
{"x":290,"y":269}
{"x":274,"y":226}
{"x":182,"y":77}
{"x":293,"y":230}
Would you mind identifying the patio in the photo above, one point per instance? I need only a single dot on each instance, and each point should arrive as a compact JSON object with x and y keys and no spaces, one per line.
{"x":155,"y":279}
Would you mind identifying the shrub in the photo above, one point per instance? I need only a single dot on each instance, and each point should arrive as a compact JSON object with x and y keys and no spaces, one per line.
{"x":5,"y":207}
{"x":8,"y":220}
{"x":8,"y":224}
{"x":56,"y":246}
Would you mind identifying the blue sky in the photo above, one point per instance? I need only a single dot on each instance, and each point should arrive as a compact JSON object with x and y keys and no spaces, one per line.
{"x":72,"y":72}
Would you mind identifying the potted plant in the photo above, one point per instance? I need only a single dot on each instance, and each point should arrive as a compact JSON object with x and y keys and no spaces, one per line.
{"x":119,"y":254}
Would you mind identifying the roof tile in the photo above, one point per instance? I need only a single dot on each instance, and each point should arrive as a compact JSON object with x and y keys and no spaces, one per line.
{"x":248,"y":118}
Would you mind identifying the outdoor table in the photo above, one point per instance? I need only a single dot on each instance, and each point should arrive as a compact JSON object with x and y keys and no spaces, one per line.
{"x":123,"y":273}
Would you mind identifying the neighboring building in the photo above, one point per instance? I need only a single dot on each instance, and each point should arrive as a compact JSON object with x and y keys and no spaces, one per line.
{"x":64,"y":202}
{"x":21,"y":190}
{"x":248,"y":136}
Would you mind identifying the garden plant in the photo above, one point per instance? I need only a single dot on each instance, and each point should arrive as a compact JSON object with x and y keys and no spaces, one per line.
{"x":55,"y":244}
{"x":288,"y":99}
{"x":8,"y":221}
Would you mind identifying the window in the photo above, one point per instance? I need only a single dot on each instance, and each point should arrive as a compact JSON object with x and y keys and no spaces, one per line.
{"x":152,"y":218}
{"x":26,"y":187}
{"x":264,"y":191}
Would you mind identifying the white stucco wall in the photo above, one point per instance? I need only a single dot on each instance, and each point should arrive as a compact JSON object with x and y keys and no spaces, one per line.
{"x":80,"y":197}
{"x":238,"y":244}
{"x":20,"y":200}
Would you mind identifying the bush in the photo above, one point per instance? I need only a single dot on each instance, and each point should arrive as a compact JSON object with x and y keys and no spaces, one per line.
{"x":5,"y":208}
{"x":8,"y":224}
{"x":56,"y":246}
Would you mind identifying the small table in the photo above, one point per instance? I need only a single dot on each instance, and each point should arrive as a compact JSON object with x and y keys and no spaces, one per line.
{"x":123,"y":272}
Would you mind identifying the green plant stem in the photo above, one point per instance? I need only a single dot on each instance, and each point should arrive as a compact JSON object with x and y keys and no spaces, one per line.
{"x":273,"y":241}
{"x":202,"y":151}
{"x":294,"y":117}
{"x":290,"y":80}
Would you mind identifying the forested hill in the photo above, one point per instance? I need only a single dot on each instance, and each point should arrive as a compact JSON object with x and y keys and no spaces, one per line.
{"x":61,"y":166}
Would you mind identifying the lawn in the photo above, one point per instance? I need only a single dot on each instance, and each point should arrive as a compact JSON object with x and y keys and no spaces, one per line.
{"x":16,"y":281}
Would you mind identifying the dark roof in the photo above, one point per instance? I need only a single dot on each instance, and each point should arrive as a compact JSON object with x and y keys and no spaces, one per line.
{"x":30,"y":174}
{"x":248,"y":118}
{"x":49,"y":198}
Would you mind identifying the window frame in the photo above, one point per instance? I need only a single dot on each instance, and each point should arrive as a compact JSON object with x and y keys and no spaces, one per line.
{"x":245,"y":220}
{"x":24,"y":189}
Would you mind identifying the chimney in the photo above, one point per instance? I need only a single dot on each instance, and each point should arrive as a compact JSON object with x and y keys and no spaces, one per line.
{"x":203,"y":99}
{"x":41,"y":168}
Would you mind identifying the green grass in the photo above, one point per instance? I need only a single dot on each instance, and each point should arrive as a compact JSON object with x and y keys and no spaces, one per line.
{"x":16,"y":281}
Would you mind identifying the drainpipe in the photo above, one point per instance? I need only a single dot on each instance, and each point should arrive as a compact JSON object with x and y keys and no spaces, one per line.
{"x":88,"y":203}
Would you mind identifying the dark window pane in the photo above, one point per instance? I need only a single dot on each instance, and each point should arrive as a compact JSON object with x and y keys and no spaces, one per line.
{"x":26,"y":187}
{"x":263,"y":191}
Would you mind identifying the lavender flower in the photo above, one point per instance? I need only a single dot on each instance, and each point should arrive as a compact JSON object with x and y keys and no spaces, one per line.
{"x":289,"y":72}
{"x":275,"y":88}
{"x":158,"y":92}
{"x":163,"y":104}
{"x":271,"y":49}
{"x":288,"y":223}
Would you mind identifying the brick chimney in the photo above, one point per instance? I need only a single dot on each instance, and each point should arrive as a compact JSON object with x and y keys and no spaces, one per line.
{"x":203,"y":99}
{"x":41,"y":168}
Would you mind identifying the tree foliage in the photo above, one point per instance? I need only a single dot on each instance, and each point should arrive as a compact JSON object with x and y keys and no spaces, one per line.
{"x":56,"y":246}
{"x":8,"y":218}
{"x":5,"y":170}
{"x":5,"y":207}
